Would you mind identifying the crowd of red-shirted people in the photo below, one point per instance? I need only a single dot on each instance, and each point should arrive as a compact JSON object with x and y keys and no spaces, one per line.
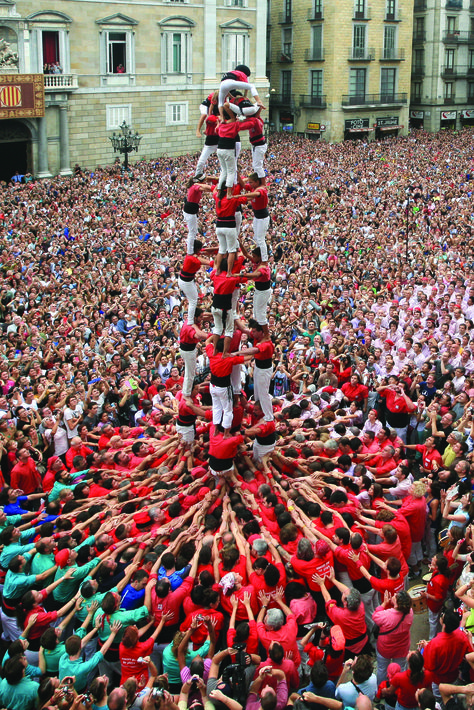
{"x":236,"y":440}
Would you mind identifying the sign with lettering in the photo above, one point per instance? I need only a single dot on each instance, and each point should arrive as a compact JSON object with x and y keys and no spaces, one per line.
{"x":356,"y":124}
{"x":387,"y":121}
{"x":448,"y":115}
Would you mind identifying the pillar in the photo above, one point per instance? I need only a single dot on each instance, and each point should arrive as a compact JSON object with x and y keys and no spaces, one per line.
{"x":64,"y":164}
{"x":43,"y":169}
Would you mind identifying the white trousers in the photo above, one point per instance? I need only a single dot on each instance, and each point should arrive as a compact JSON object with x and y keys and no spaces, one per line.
{"x":206,"y":153}
{"x":192,"y":225}
{"x":230,"y":84}
{"x":222,"y":409}
{"x":236,"y":379}
{"x":261,"y":299}
{"x":228,"y":163}
{"x":189,"y":357}
{"x":261,"y":450}
{"x":261,"y":390}
{"x":186,"y":433}
{"x":189,"y":289}
{"x":221,"y":328}
{"x":258,"y":156}
{"x":227,"y":238}
{"x":260,"y":229}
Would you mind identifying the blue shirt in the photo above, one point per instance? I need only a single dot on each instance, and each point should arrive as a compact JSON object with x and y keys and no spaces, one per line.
{"x":175,"y":579}
{"x":132,"y":598}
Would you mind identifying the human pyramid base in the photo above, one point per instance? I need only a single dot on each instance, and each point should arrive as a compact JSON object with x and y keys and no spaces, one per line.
{"x":234,"y":520}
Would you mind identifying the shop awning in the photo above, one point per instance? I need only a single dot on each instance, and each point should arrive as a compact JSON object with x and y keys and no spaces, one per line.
{"x":360,"y":130}
{"x":389,"y":128}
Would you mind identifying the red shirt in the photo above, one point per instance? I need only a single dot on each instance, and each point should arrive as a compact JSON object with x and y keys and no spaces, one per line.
{"x":318,"y":565}
{"x":260,"y":202}
{"x":172,"y":602}
{"x":81,"y":451}
{"x":266,"y":350}
{"x":241,"y":612}
{"x":222,"y":366}
{"x":355,"y":393}
{"x":396,"y":403}
{"x":200,"y":634}
{"x":429,"y":457}
{"x":414,"y":510}
{"x":25,"y":476}
{"x":130,"y":666}
{"x":191,"y":265}
{"x":188,"y":335}
{"x":405,"y":690}
{"x":444,"y":654}
{"x":438,"y":587}
{"x":286,"y":637}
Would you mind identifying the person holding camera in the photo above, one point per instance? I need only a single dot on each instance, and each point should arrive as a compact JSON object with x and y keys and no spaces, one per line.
{"x":263,"y":696}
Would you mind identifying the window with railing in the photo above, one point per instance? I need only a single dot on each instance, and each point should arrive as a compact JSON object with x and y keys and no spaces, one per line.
{"x":416,"y":94}
{"x":316,"y":88}
{"x":388,"y":81}
{"x":390,"y":10}
{"x":449,"y":60}
{"x":317,"y":42}
{"x":287,"y":43}
{"x":286,"y":84}
{"x":390,"y":42}
{"x":357,"y":84}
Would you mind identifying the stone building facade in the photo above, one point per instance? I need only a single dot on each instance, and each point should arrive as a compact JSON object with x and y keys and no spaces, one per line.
{"x":148,"y":62}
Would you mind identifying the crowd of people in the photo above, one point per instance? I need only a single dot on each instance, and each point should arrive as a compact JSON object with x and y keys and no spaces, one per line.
{"x":183,"y":526}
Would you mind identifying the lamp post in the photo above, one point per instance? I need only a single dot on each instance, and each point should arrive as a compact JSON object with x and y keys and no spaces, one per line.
{"x":265,"y":126}
{"x":125,"y":142}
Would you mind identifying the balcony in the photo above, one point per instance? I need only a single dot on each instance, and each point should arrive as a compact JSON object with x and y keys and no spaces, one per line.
{"x":60,"y":82}
{"x":453,"y":5}
{"x":418,"y":70}
{"x":419,"y":6}
{"x":373,"y":100}
{"x":286,"y":58}
{"x":313,"y":101}
{"x":458,"y":37}
{"x":282,"y":100}
{"x":395,"y":16}
{"x":314,"y":55}
{"x":457,"y":72}
{"x":419,"y":37}
{"x":285,"y":18}
{"x":364,"y":14}
{"x":392,"y":55}
{"x":361,"y":54}
{"x":316,"y":13}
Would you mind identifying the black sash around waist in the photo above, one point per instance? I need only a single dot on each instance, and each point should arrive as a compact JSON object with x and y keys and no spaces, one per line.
{"x":266,"y":440}
{"x":226,"y":143}
{"x":191,"y":207}
{"x":220,"y":464}
{"x":226,"y":222}
{"x":261,"y":214}
{"x":186,"y":419}
{"x":220,"y":381}
{"x":186,"y":276}
{"x":262,"y":285}
{"x":187,"y":347}
{"x":263,"y":364}
{"x":222,"y":301}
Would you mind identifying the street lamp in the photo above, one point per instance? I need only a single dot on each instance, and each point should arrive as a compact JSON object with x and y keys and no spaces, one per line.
{"x":125,"y":143}
{"x":265,"y":126}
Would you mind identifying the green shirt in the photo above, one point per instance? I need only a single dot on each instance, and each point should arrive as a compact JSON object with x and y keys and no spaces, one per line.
{"x":22,"y":696}
{"x":170,"y":662}
{"x":81,"y":613}
{"x":11,"y":520}
{"x":41,"y":563}
{"x":59,"y":486}
{"x":126,"y":618}
{"x":79,"y":668}
{"x":51,"y":658}
{"x":70,"y":587}
{"x":17,"y":583}
{"x":16,"y":548}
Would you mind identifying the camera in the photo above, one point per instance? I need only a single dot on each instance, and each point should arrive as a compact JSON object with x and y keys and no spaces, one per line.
{"x":157,"y":693}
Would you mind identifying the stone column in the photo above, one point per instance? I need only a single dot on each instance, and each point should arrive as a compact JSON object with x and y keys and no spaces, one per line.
{"x":43,"y":169}
{"x":64,"y":164}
